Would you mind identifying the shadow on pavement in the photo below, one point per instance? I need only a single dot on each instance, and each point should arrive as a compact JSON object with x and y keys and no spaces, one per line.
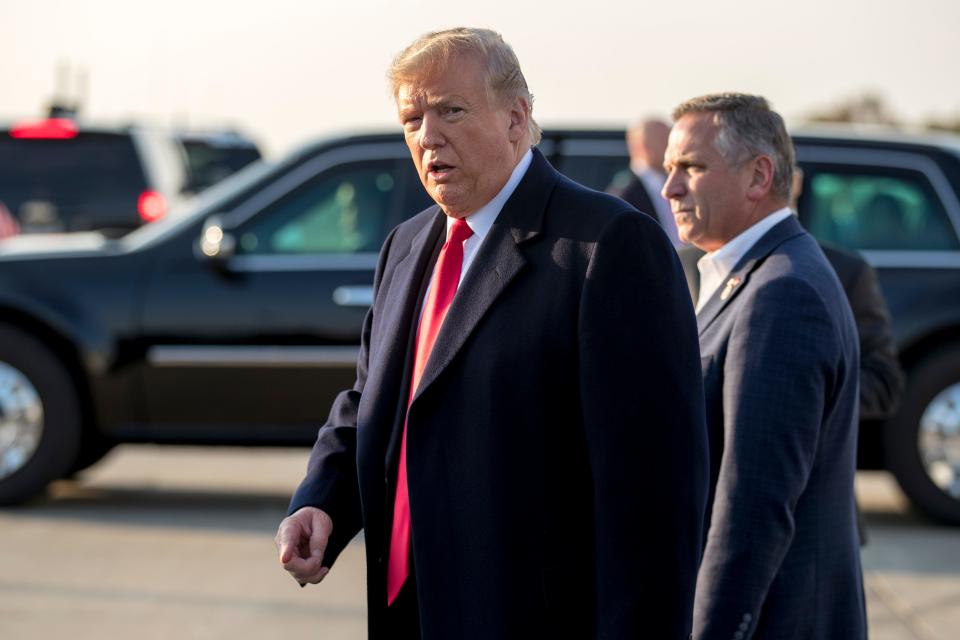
{"x":243,"y":511}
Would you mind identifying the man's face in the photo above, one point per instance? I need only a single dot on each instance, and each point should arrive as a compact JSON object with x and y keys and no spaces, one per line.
{"x":707,"y":196}
{"x":463,"y":146}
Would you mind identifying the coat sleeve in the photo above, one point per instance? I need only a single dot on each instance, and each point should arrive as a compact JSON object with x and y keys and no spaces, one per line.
{"x":643,"y":412}
{"x":881,"y":378}
{"x":782,"y":364}
{"x":331,"y":481}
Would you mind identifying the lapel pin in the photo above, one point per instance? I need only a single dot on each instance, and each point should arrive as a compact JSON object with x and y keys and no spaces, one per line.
{"x":729,"y":287}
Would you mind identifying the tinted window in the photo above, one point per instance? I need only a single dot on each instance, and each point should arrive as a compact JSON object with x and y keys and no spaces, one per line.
{"x":210,"y":162}
{"x":875,"y":209}
{"x":348,"y":209}
{"x":72,"y":183}
{"x":596,"y":172}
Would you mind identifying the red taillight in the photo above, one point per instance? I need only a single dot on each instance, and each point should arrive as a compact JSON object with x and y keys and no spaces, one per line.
{"x":151,"y":206}
{"x":50,"y":129}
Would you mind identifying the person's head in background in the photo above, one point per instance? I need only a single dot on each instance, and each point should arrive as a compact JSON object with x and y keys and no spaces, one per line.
{"x":646,"y":143}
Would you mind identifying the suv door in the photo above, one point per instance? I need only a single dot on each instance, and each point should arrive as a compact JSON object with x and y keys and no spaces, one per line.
{"x":898,"y":208}
{"x":269,"y":338}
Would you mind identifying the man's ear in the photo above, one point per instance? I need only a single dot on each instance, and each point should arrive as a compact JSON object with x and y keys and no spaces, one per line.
{"x":760,"y":177}
{"x":519,"y":116}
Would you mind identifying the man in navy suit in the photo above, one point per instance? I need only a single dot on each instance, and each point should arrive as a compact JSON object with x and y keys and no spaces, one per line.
{"x":536,"y":466}
{"x":779,"y":353}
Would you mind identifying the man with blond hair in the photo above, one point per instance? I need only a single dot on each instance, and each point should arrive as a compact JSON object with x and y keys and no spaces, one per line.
{"x":524,"y":447}
{"x":780,"y":360}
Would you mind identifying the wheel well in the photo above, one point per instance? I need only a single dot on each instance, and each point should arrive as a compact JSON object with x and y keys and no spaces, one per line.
{"x":929,"y":344}
{"x":65,"y":350}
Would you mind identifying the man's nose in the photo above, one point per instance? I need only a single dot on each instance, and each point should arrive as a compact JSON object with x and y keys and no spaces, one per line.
{"x":431,"y":132}
{"x":673,"y":187}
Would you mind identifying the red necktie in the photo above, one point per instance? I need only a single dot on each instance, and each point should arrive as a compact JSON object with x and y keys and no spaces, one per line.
{"x":443,"y":286}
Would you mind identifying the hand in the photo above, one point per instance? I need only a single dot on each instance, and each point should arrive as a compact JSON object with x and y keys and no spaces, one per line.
{"x":301,"y":540}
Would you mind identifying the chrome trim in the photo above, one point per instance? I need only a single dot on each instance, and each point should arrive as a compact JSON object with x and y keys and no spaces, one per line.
{"x":613,"y":148}
{"x":881,"y":259}
{"x":300,"y":175}
{"x":308,"y":262}
{"x":938,"y":440}
{"x":277,"y":357}
{"x":21,"y":420}
{"x":891,"y":160}
{"x":353,"y":296}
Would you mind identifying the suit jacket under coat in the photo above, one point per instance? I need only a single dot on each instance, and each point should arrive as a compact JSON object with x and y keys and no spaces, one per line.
{"x":881,"y":378}
{"x":635,"y":193}
{"x":556,"y":446}
{"x":780,"y":357}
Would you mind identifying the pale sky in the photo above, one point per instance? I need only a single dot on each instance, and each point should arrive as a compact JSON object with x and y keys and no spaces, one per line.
{"x":286,"y":72}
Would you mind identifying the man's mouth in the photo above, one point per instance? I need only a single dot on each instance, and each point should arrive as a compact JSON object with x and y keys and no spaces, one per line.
{"x":439,"y":170}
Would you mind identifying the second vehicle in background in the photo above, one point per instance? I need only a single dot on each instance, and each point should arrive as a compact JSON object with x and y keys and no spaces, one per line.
{"x":214,"y":155}
{"x":59,"y":175}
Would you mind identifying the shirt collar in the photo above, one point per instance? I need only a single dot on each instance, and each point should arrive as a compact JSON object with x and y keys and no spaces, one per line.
{"x":483,"y":218}
{"x":724,"y":259}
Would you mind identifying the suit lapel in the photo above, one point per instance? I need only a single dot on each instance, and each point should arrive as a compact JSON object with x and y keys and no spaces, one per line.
{"x":736,"y":281}
{"x":498,"y":261}
{"x":402,"y":310}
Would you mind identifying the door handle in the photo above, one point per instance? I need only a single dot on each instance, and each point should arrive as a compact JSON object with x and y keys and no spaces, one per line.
{"x":353,"y":296}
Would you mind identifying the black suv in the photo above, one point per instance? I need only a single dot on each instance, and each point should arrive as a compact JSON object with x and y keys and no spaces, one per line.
{"x":58,"y":175}
{"x":239,"y":321}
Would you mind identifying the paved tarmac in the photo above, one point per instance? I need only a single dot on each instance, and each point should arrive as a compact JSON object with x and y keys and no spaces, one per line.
{"x":177,"y":543}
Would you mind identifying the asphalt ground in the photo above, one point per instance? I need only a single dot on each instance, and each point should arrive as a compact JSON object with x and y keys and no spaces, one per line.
{"x":177,"y":542}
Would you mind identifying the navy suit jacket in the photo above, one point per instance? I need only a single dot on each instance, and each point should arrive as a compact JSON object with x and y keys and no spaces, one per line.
{"x":780,"y":358}
{"x":556,"y":453}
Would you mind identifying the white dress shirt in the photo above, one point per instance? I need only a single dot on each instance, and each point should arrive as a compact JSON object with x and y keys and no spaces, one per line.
{"x":483,"y":218}
{"x":715,"y":266}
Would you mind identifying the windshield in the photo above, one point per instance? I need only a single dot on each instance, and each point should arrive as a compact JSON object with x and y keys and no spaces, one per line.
{"x":211,"y":162}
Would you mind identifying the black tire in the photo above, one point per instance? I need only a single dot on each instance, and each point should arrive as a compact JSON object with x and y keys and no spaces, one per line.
{"x":925,"y":381}
{"x":59,"y":441}
{"x":93,"y":448}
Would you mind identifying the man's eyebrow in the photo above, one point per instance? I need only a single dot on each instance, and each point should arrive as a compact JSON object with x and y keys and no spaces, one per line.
{"x":682,"y":158}
{"x":445,"y":101}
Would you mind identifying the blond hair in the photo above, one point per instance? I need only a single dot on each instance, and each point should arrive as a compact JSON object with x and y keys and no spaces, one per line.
{"x":432,"y":52}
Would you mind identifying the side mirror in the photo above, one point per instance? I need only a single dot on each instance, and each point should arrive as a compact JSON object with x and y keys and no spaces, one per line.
{"x":215,"y":244}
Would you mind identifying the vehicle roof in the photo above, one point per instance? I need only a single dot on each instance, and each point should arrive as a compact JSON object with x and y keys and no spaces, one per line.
{"x":88,"y":127}
{"x":226,"y":137}
{"x":874,"y":134}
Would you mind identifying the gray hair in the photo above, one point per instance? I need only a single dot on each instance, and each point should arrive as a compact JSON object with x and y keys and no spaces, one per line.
{"x":747,"y":127}
{"x":434,"y":51}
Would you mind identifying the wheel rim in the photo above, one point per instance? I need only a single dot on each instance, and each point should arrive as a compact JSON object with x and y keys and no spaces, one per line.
{"x":939,"y":440}
{"x":21,"y":420}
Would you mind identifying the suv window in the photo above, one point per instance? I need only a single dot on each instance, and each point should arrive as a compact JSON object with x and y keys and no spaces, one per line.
{"x":348,"y":209}
{"x":871,"y":209}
